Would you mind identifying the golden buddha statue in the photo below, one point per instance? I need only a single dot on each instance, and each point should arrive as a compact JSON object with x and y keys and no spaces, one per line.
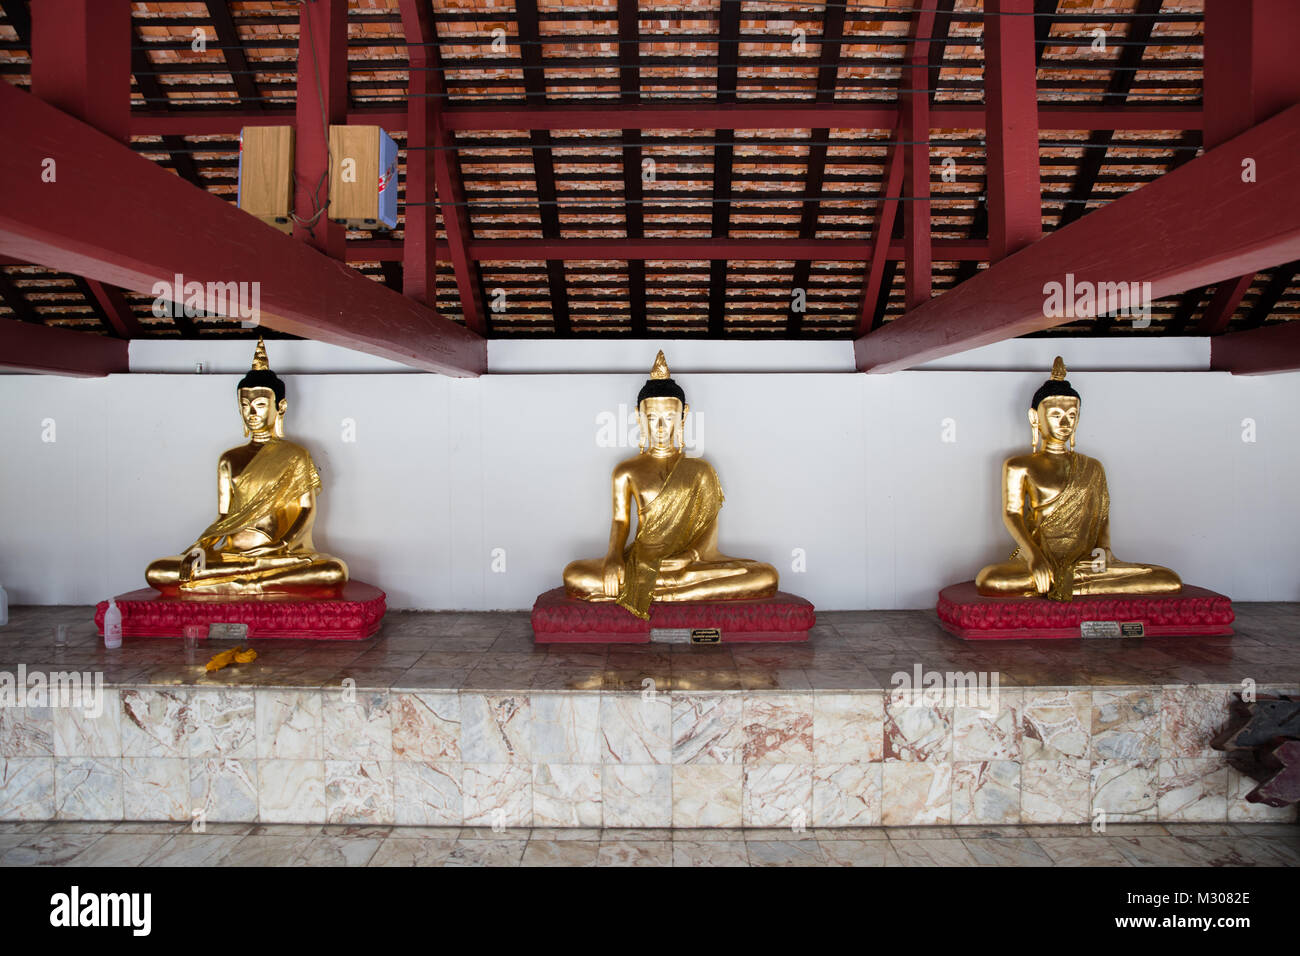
{"x":266,"y":499}
{"x":1057,"y":508}
{"x":674,"y":555}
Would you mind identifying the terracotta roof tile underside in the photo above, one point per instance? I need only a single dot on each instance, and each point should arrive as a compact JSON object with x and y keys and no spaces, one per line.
{"x":790,"y":183}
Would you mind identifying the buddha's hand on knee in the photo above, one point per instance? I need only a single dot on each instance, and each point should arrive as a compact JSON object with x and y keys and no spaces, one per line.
{"x":1041,"y":571}
{"x":613,"y":576}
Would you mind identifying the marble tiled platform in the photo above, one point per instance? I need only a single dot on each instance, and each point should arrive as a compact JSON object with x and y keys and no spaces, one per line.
{"x":94,"y":844}
{"x":457,"y":719}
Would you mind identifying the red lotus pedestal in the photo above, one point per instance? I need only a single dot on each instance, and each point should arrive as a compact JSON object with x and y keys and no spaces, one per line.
{"x":353,"y":615}
{"x":1192,"y":612}
{"x":782,"y":618}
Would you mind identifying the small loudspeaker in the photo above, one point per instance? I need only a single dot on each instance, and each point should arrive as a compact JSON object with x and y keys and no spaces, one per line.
{"x":266,"y":174}
{"x":363,"y":177}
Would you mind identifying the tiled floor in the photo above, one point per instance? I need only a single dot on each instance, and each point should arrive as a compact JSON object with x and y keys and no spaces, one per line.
{"x":164,"y":844}
{"x":857,"y":650}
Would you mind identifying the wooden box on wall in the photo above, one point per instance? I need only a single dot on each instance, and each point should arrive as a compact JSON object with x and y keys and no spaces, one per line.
{"x":363,"y":177}
{"x":266,"y":174}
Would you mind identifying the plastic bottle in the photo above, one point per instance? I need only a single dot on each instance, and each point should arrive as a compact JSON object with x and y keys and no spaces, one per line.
{"x":113,"y":625}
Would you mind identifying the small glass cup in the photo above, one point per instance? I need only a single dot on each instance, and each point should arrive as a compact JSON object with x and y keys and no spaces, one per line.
{"x":193,"y":633}
{"x":61,"y":636}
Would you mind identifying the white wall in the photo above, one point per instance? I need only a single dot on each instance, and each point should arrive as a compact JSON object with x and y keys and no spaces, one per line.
{"x":848,"y":467}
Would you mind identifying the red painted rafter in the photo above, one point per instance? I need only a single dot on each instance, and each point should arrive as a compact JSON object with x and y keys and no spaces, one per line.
{"x":128,"y":235}
{"x":1155,"y":234}
{"x":1011,"y":101}
{"x":915,"y":128}
{"x":41,"y":348}
{"x":118,"y":311}
{"x":878,"y":277}
{"x":1250,"y":74}
{"x":419,"y":247}
{"x":445,"y":182}
{"x":322,"y":101}
{"x":455,"y":222}
{"x":81,"y":61}
{"x":1262,"y":351}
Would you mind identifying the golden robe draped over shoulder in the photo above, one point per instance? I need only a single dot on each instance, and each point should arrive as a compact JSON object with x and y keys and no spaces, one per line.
{"x":281,"y":471}
{"x":680,"y":513}
{"x":1068,"y":527}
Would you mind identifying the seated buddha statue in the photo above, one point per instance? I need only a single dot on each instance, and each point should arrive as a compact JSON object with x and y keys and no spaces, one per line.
{"x":1057,"y":508}
{"x":266,"y":502}
{"x":674,"y":555}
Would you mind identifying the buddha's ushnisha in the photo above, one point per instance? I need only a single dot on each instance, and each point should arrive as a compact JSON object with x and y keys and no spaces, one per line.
{"x":674,"y":555}
{"x":266,"y":505}
{"x":1057,"y":508}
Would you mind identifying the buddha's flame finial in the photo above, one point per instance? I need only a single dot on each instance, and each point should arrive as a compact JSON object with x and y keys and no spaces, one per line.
{"x":260,"y":362}
{"x":1058,"y":370}
{"x":660,"y":369}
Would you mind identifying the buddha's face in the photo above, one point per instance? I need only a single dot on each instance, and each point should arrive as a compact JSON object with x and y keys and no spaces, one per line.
{"x":661,"y":422}
{"x":260,"y":411}
{"x":1056,"y":418}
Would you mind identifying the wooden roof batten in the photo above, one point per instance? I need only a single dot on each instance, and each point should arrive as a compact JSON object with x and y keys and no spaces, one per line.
{"x":767,"y":165}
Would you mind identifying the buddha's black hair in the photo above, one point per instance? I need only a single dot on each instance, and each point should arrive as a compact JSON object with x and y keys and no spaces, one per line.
{"x":1051,"y":388}
{"x":263,"y":378}
{"x":660,"y":388}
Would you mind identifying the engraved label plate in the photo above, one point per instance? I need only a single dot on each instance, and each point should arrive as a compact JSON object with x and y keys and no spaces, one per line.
{"x":706,"y":635}
{"x":1099,"y":629}
{"x":1132,"y":629}
{"x":227,"y":631}
{"x":670,"y":635}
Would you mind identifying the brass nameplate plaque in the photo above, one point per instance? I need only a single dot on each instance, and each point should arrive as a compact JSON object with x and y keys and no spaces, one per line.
{"x":706,"y":635}
{"x":228,"y":631}
{"x":1111,"y":629}
{"x":670,"y":635}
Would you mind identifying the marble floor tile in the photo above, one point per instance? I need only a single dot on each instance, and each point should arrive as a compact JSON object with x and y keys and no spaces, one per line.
{"x":805,"y":852}
{"x":635,"y":853}
{"x":49,"y":849}
{"x":636,"y":834}
{"x":1272,"y":851}
{"x":1081,"y":850}
{"x":335,"y":851}
{"x":561,"y":853}
{"x":859,"y":853}
{"x":727,"y":853}
{"x":120,"y":849}
{"x":921,"y":833}
{"x":413,"y":851}
{"x":486,"y":853}
{"x":565,"y":833}
{"x":948,"y":852}
{"x":256,"y":850}
{"x":1153,"y":850}
{"x":1007,"y":852}
{"x":197,"y":849}
{"x":708,"y":834}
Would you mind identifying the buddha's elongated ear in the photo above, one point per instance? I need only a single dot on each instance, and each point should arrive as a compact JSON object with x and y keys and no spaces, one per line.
{"x":280,"y":409}
{"x":643,"y":428}
{"x":681,"y":427}
{"x":1033,"y":418}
